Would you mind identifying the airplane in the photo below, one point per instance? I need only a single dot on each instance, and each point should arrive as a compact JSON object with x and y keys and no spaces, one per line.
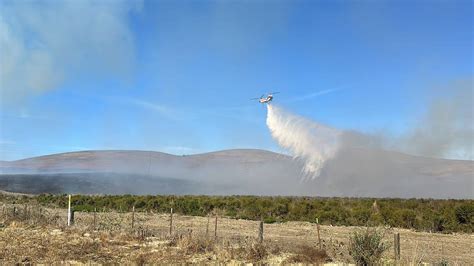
{"x":266,"y":99}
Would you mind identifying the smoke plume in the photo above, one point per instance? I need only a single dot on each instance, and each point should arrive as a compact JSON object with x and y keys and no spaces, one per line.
{"x":307,"y":140}
{"x":446,"y":130}
{"x":46,"y":43}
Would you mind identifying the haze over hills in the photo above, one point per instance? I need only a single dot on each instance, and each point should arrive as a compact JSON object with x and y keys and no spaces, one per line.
{"x":353,"y":172}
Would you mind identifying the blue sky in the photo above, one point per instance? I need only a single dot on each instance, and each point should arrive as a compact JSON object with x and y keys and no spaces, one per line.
{"x":177,"y":76}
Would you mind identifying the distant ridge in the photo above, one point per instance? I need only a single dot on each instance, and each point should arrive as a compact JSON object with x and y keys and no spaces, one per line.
{"x":354,"y":172}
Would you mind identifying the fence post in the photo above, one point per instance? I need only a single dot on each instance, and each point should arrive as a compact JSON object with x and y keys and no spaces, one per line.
{"x":69,"y":212}
{"x":95,"y":218}
{"x":171,"y":221}
{"x":72,"y":216}
{"x":396,"y":245}
{"x":260,"y":232}
{"x":215,"y":228}
{"x":207,"y":226}
{"x":319,"y":237}
{"x":133,"y":216}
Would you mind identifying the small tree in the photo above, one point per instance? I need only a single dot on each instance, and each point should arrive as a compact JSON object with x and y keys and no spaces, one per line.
{"x":366,"y":247}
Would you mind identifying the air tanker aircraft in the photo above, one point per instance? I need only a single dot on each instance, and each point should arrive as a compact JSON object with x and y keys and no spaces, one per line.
{"x":266,"y":99}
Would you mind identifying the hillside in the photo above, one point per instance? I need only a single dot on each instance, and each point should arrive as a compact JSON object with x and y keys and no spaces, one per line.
{"x":354,"y":172}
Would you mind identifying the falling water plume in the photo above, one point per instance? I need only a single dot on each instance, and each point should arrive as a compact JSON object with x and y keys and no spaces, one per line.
{"x":311,"y":142}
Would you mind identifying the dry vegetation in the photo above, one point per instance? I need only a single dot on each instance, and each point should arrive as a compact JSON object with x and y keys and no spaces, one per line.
{"x":34,"y":234}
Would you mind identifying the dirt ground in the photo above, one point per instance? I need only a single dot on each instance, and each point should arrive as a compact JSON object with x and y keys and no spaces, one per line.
{"x":112,"y":239}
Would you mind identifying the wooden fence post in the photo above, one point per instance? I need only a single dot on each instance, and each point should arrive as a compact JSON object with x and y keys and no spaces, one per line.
{"x":319,"y":237}
{"x":171,"y":221}
{"x":396,"y":245}
{"x":95,"y":218}
{"x":207,"y":226}
{"x":72,"y":216}
{"x":215,"y":228}
{"x":133,"y":216}
{"x":260,"y":232}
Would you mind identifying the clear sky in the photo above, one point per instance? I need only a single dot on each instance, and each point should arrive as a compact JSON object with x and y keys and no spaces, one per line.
{"x":177,"y":76}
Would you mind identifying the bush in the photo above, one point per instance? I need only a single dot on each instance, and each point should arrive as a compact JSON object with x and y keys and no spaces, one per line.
{"x":269,"y":220}
{"x":366,"y":247}
{"x":419,"y":214}
{"x":465,"y":213}
{"x":439,"y":224}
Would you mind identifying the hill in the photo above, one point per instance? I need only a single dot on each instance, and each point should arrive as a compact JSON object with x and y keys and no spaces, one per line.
{"x":353,"y":173}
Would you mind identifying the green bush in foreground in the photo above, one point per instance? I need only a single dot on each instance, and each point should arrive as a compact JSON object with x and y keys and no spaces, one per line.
{"x":366,"y":247}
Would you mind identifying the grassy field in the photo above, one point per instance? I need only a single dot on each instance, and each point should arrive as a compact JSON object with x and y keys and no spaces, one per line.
{"x":31,"y":233}
{"x":428,"y":215}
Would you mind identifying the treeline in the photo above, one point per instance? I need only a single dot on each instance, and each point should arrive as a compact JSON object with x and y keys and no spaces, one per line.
{"x":420,"y":214}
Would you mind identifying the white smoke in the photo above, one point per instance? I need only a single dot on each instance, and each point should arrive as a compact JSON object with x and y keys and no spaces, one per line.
{"x":307,"y":140}
{"x":46,"y":43}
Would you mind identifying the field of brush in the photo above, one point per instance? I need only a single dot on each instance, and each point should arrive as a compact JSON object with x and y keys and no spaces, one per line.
{"x":33,"y":230}
{"x":429,"y":215}
{"x":33,"y":233}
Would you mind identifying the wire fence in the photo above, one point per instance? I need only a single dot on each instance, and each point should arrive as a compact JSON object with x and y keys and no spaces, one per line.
{"x":168,"y":226}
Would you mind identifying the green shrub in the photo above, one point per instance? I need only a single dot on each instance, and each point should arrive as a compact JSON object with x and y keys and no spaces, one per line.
{"x":465,"y":213}
{"x":269,"y":220}
{"x":366,"y":247}
{"x":439,"y":224}
{"x":419,"y":214}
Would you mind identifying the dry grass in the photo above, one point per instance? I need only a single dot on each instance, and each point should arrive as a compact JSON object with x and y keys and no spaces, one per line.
{"x":309,"y":255}
{"x":30,"y":215}
{"x":191,"y":244}
{"x":21,"y":243}
{"x":257,"y":252}
{"x":35,"y":237}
